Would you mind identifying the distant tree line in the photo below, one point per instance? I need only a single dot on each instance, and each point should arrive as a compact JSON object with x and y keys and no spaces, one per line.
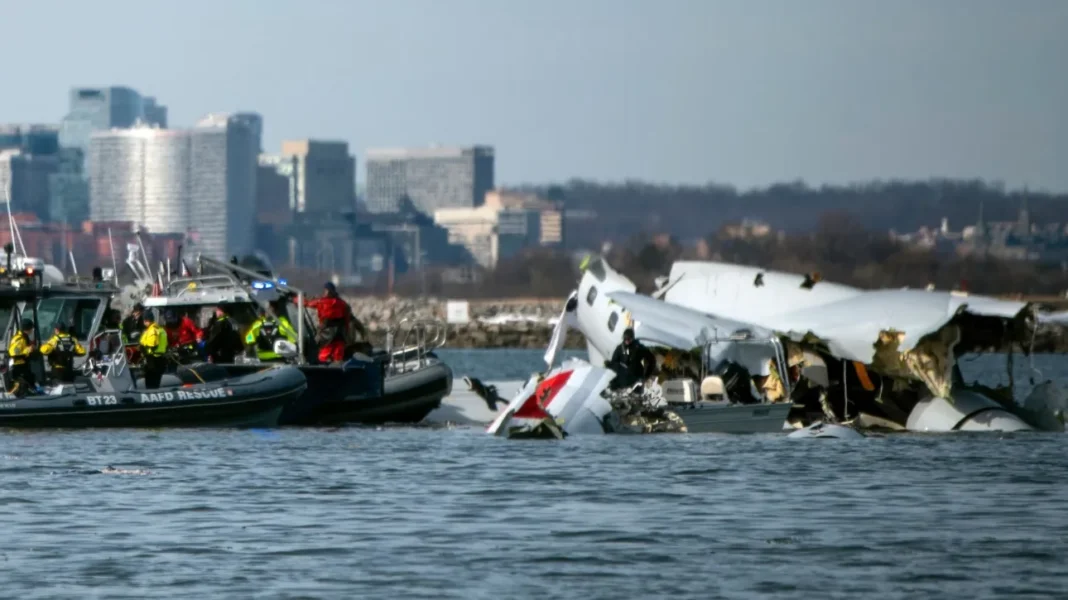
{"x":690,"y":212}
{"x":840,"y":247}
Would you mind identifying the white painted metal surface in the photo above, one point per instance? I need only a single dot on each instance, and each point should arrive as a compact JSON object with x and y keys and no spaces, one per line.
{"x":969,"y":411}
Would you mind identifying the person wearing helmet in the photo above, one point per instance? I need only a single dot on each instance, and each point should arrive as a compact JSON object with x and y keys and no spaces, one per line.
{"x":632,"y":358}
{"x":267,"y":329}
{"x":61,"y":349}
{"x":19,"y":350}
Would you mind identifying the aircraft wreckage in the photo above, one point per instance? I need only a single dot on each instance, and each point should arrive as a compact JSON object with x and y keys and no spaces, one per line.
{"x":746,"y":350}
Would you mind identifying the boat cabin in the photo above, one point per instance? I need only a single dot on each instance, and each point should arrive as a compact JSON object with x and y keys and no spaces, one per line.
{"x":77,"y":302}
{"x":738,"y":367}
{"x":198,"y":296}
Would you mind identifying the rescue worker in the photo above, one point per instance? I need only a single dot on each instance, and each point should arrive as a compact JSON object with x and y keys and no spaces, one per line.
{"x":632,"y":359}
{"x":222,"y":343}
{"x":19,"y":350}
{"x":61,"y":349}
{"x":153,"y":343}
{"x":132,"y":325}
{"x":334,"y":318}
{"x":265,"y":331}
{"x":183,"y":335}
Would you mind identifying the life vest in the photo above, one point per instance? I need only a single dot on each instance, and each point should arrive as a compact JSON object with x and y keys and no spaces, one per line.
{"x":154,"y":341}
{"x":63,"y":350}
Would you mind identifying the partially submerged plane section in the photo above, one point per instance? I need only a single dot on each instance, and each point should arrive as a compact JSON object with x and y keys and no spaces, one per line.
{"x":783,"y":349}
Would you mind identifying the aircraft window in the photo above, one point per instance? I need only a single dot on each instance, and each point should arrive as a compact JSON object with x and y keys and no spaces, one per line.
{"x":612,"y":320}
{"x":591,"y":295}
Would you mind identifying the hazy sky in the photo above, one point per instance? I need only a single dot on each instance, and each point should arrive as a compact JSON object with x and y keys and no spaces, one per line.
{"x":745,"y":92}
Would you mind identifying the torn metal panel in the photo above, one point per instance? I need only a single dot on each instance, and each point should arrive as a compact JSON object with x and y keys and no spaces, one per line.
{"x":847,"y":321}
{"x":569,"y":395}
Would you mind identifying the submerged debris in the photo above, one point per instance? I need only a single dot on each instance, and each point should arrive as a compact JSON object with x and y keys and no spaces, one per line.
{"x":642,"y":411}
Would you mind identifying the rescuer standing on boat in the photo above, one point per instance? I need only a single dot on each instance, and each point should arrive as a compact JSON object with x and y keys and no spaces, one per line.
{"x":153,"y":344}
{"x":132,"y":326}
{"x":633,"y":358}
{"x":61,"y":349}
{"x":222,"y":342}
{"x":185,"y":338}
{"x":19,"y":350}
{"x":265,"y":331}
{"x":334,"y":316}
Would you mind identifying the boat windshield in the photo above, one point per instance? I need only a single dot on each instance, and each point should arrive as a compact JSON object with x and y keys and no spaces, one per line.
{"x":80,"y":313}
{"x":6,"y":313}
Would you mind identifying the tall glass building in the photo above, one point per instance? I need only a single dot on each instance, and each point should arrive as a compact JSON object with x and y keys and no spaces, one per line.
{"x":200,"y":182}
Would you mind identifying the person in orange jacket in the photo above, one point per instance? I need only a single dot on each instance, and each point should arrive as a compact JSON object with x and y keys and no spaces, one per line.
{"x":334,"y":318}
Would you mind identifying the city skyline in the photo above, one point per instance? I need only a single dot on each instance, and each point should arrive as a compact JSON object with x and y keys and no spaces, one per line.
{"x":743,"y":93}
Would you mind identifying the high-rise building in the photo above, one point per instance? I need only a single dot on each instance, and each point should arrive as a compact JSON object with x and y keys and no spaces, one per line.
{"x":325,"y":176}
{"x":199,"y":182}
{"x":430,"y":178}
{"x":225,"y":148}
{"x":152,"y":113}
{"x":69,"y":188}
{"x":28,"y":159}
{"x":24,"y":181}
{"x":41,"y":140}
{"x":96,"y":109}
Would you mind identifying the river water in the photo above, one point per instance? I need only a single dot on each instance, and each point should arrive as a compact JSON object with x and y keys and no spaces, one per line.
{"x":453,"y":513}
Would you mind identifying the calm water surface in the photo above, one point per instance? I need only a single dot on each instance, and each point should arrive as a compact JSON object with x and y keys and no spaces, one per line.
{"x":423,"y":513}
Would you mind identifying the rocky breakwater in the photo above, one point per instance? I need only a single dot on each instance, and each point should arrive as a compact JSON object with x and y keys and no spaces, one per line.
{"x":518,"y":323}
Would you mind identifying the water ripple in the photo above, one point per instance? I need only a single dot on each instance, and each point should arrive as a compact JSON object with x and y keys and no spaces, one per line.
{"x":421,"y":513}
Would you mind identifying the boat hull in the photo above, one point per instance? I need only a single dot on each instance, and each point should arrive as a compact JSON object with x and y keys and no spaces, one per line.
{"x":361,"y":393}
{"x":733,"y":418}
{"x":256,"y":400}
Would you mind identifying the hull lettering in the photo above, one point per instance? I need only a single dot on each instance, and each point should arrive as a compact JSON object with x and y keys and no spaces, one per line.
{"x":180,"y":395}
{"x":101,"y":400}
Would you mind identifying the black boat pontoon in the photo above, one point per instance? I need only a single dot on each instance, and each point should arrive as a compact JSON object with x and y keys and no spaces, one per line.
{"x":402,"y":383}
{"x":106,"y":394}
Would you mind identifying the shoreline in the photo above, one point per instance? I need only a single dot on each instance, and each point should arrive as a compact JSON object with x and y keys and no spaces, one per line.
{"x":529,"y":322}
{"x":507,"y":323}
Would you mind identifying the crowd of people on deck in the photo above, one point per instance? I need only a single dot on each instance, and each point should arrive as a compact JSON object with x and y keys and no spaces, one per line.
{"x":178,"y":339}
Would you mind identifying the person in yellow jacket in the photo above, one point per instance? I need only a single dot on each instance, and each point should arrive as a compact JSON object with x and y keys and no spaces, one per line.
{"x":263,"y":333}
{"x":153,"y":342}
{"x":61,"y":349}
{"x":19,"y":350}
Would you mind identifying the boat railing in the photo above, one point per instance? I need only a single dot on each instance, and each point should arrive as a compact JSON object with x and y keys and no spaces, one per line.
{"x":114,"y":361}
{"x":185,"y":285}
{"x":411,"y":341}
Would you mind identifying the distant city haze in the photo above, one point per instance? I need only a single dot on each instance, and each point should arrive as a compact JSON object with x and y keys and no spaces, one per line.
{"x":746,"y":92}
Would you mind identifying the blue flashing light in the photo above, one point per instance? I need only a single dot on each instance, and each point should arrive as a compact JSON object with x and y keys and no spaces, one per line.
{"x":282,"y":282}
{"x":262,"y":285}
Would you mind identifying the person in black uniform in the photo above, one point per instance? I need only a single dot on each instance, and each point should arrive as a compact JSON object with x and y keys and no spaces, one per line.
{"x":631,"y":360}
{"x":133,"y":325}
{"x":222,"y":342}
{"x":61,"y":349}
